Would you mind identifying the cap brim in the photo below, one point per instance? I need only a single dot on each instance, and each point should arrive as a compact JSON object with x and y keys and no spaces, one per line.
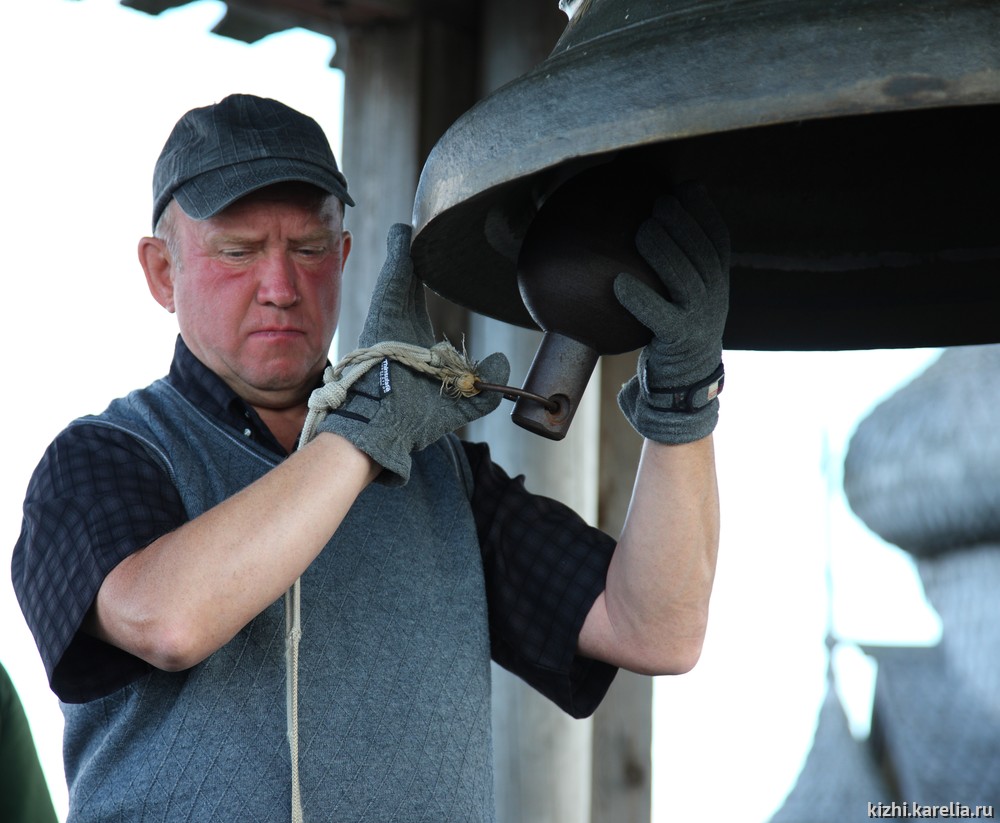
{"x":209,"y":193}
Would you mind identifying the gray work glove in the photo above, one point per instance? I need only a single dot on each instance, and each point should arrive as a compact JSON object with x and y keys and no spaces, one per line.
{"x":393,"y":410}
{"x":672,"y":398}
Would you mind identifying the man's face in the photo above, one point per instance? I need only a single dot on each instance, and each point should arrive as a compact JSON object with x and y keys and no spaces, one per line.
{"x":257,"y":292}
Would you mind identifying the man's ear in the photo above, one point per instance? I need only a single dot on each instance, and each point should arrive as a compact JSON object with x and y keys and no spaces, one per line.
{"x":347,"y":239}
{"x":156,"y":263}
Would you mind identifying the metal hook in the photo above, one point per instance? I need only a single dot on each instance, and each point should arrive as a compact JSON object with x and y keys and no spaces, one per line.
{"x":512,"y":393}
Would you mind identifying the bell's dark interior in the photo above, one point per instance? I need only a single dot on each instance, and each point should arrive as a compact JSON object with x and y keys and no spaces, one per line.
{"x":866,"y":231}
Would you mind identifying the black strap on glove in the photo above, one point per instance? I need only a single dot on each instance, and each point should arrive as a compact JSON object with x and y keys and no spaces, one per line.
{"x":673,"y":397}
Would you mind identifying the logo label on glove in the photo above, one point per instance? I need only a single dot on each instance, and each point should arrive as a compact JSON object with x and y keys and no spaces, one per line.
{"x":383,"y":377}
{"x":714,"y":389}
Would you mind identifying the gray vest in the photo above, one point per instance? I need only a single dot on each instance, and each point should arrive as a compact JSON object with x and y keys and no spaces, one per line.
{"x":394,"y":678}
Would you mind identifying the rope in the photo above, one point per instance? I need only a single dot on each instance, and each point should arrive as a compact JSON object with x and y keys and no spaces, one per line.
{"x":293,"y":634}
{"x":454,"y":369}
{"x":457,"y":374}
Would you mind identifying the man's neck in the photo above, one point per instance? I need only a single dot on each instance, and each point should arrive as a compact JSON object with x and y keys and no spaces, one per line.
{"x":285,"y":424}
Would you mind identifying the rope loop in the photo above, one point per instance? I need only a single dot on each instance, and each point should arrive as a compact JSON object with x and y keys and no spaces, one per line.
{"x":455,"y":370}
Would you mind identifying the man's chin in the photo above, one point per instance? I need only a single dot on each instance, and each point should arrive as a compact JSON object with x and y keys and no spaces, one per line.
{"x":280,"y":388}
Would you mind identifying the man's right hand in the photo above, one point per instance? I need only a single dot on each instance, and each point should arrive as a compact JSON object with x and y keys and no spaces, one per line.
{"x":393,"y":411}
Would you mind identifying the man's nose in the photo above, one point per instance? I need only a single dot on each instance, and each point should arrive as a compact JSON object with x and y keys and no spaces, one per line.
{"x":278,"y":281}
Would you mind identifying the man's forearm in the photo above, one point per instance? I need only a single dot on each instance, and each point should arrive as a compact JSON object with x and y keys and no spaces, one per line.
{"x":652,"y":615}
{"x":188,"y":593}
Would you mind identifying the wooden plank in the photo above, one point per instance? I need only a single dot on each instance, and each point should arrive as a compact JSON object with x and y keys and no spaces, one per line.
{"x":380,"y":155}
{"x":542,"y":754}
{"x":622,"y":737}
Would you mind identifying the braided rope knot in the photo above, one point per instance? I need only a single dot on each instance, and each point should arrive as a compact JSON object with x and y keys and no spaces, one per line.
{"x":455,"y":369}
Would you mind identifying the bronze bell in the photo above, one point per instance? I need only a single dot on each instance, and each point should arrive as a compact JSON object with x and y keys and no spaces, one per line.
{"x":851,"y":146}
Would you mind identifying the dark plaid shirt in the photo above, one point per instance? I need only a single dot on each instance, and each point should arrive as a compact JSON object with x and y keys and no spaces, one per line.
{"x":96,"y":497}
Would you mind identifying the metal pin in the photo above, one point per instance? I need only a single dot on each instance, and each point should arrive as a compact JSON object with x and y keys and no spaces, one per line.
{"x":512,"y":393}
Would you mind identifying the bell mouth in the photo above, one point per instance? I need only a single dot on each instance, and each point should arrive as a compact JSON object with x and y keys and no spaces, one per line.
{"x":849,"y":149}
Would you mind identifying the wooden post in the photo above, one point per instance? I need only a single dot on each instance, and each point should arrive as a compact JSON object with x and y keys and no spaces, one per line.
{"x":381,"y":151}
{"x":542,"y":755}
{"x":622,"y":738}
{"x":404,"y":84}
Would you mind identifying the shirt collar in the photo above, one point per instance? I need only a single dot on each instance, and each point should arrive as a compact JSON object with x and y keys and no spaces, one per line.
{"x":212,"y":395}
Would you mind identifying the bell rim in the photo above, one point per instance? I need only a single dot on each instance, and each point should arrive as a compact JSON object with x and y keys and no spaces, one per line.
{"x":468,"y":166}
{"x":921,"y":77}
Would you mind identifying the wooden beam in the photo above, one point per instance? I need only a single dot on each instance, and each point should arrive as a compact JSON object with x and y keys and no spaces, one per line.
{"x":249,"y":20}
{"x":622,"y":740}
{"x":380,"y":155}
{"x":542,"y":754}
{"x":405,"y":83}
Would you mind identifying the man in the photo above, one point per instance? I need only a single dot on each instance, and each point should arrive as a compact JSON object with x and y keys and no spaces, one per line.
{"x":159,"y":536}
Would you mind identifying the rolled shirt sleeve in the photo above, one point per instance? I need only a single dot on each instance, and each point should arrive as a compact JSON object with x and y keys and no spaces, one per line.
{"x":544,"y":567}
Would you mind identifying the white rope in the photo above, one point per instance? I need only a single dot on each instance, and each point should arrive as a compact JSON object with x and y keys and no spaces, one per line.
{"x":442,"y":360}
{"x":293,"y":634}
{"x":458,"y":376}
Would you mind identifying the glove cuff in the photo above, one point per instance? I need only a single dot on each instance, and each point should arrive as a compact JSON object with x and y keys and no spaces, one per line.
{"x":352,"y":420}
{"x":672,"y":414}
{"x":395,"y":463}
{"x":682,"y":398}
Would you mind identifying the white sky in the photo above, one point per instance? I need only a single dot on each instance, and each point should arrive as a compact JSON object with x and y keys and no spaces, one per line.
{"x":93,"y":89}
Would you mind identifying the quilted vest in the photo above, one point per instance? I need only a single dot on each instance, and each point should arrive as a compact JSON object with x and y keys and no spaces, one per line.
{"x":394,"y":671}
